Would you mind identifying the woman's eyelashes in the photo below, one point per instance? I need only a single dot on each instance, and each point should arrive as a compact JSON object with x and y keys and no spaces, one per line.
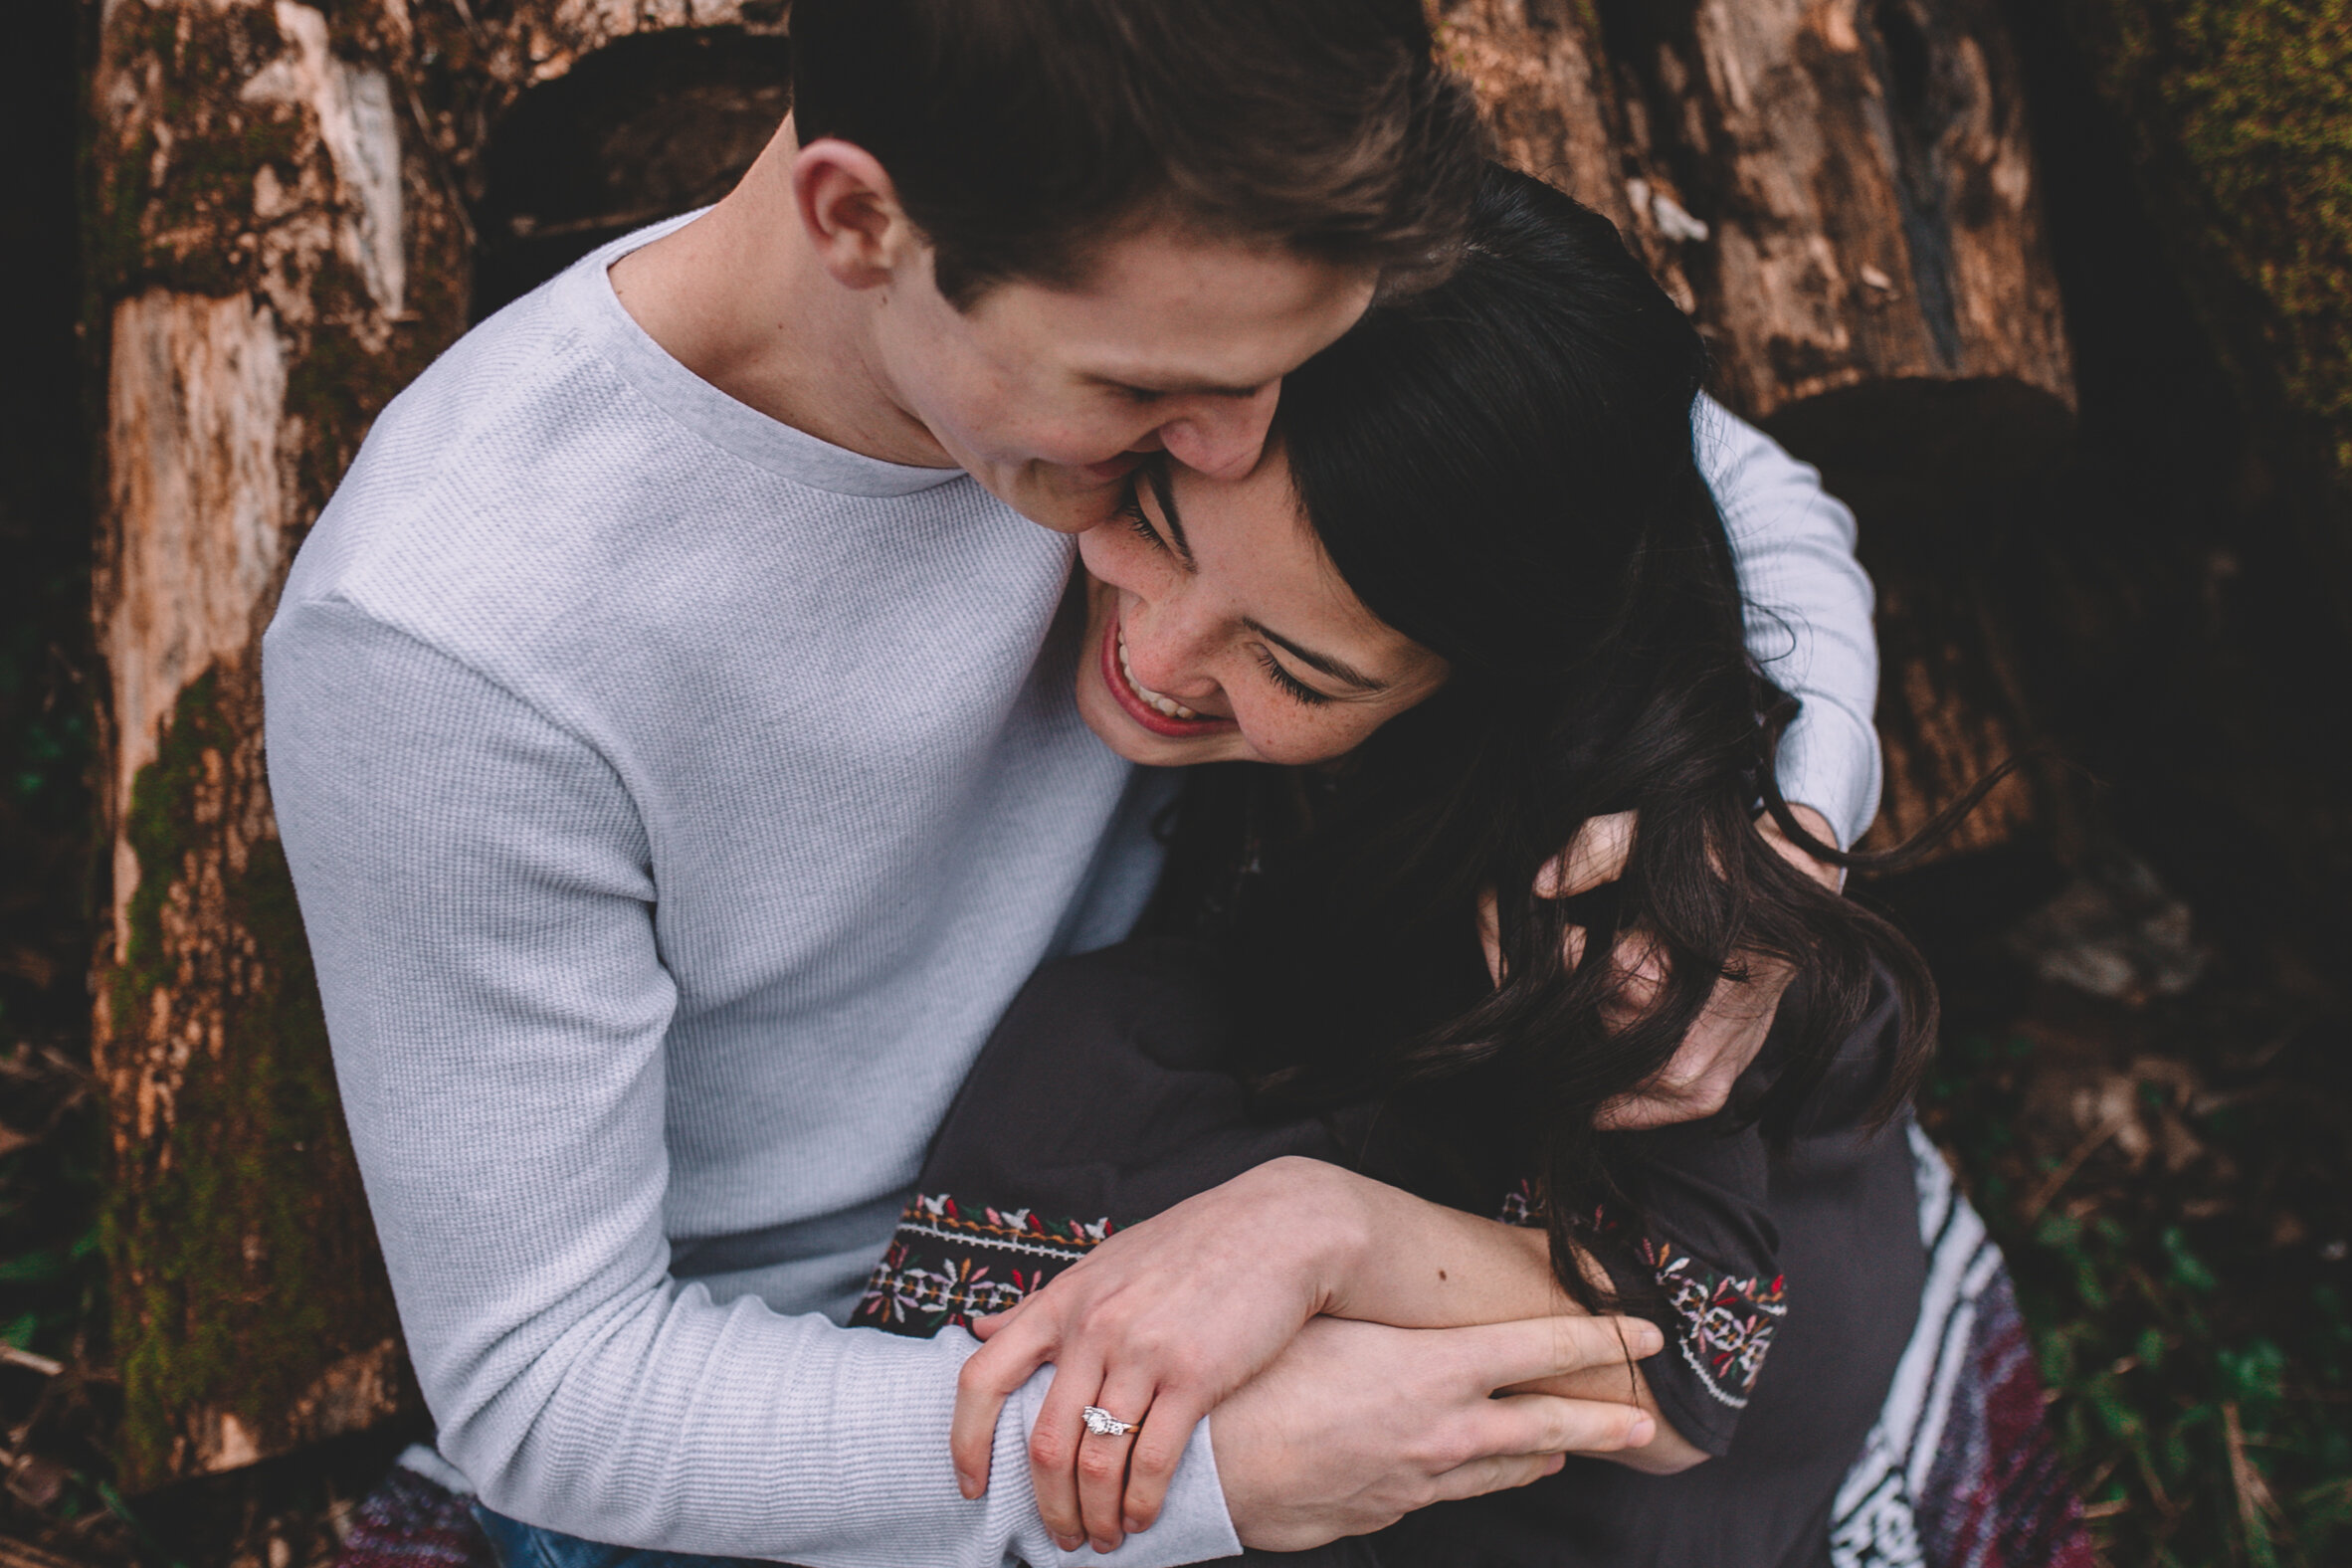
{"x":1139,"y":522}
{"x":1293,"y":688}
{"x":1133,"y":511}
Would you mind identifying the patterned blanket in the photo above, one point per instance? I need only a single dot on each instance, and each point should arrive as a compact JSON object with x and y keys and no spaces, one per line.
{"x":1959,"y":1472}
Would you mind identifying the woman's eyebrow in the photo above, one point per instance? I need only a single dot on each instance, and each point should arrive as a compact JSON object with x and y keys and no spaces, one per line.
{"x":1338,"y":670}
{"x":1156,"y":475}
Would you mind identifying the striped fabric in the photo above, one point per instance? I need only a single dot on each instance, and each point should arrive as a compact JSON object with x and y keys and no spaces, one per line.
{"x":1961,"y":1470}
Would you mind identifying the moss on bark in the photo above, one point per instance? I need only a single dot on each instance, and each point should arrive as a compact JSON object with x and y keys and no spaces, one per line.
{"x":243,"y":1264}
{"x":2242,"y":110}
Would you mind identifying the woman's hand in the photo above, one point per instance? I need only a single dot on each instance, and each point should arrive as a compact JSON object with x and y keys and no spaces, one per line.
{"x":1357,"y":1424}
{"x":1159,"y":1325}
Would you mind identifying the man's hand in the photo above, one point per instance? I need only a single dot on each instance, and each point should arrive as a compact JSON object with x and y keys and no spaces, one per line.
{"x":1697,"y":1082}
{"x":1357,"y":1424}
{"x":1158,"y":1324}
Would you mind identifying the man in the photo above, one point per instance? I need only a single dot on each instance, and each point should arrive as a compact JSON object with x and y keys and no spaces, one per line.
{"x":672,"y":742}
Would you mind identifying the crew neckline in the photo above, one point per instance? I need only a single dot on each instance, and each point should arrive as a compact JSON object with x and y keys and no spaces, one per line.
{"x":586,"y":291}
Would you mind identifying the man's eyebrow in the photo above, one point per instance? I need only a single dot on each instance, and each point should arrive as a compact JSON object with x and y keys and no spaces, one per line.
{"x":1178,"y":389}
{"x":1337,"y":669}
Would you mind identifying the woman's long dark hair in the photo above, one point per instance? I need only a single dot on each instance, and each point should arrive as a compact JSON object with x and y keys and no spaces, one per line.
{"x":1502,"y":468}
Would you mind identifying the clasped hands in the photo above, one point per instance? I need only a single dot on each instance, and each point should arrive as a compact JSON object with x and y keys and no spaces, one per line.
{"x":1366,"y":1353}
{"x":1268,"y":1301}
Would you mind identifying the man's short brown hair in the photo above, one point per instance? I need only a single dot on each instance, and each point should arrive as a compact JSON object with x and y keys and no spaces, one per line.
{"x":1022,"y":132}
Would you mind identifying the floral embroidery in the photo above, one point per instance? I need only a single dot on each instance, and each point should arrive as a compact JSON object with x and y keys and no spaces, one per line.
{"x":946,"y":1265}
{"x":1724,"y":1322}
{"x":1727,"y":1323}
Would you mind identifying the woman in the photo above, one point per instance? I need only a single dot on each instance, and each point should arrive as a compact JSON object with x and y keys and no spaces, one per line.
{"x":1479,"y":600}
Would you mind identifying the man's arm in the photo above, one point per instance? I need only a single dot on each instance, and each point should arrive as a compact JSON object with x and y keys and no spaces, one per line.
{"x":1174,"y":1315}
{"x":1808,"y":605}
{"x":479,"y":895}
{"x":1808,"y":610}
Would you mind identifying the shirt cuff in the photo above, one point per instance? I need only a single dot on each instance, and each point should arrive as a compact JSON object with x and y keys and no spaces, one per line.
{"x":1193,"y":1527}
{"x":1828,"y":760}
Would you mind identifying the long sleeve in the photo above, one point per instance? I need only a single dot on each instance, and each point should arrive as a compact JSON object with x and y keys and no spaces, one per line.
{"x":1808,"y":605}
{"x":480,"y":890}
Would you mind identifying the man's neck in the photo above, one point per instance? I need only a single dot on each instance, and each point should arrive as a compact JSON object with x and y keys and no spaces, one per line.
{"x":739,"y":297}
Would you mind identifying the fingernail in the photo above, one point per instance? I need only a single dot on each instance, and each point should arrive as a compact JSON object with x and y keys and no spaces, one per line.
{"x":1134,"y":1527}
{"x":1104,"y":1544}
{"x":1069,"y":1543}
{"x":968,"y":1486}
{"x":1647,"y":1341}
{"x":1641,"y":1431}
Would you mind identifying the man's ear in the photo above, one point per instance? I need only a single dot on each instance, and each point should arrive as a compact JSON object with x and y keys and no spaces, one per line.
{"x":849,"y":206}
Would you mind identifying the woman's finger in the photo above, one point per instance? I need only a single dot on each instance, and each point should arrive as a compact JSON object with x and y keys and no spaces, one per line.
{"x":1159,"y":1448}
{"x":987,"y":1327}
{"x":1102,"y":1459}
{"x":1015,"y":1351}
{"x":1054,"y":1448}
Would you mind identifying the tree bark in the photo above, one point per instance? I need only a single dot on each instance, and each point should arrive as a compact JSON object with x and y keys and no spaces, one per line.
{"x":1843,"y":195}
{"x":279,"y":240}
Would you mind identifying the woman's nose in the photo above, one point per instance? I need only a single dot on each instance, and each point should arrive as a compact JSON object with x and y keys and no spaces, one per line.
{"x":1166,"y":655}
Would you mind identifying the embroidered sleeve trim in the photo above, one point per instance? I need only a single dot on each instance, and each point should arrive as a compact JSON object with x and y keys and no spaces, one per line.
{"x":1726,"y":1322}
{"x":1723,"y":1323}
{"x":947,"y":1265}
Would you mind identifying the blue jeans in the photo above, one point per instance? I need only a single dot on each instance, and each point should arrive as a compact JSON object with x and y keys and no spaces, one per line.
{"x":521,"y":1545}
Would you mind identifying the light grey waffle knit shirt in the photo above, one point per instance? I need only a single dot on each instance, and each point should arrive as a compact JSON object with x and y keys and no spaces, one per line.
{"x":676,"y":802}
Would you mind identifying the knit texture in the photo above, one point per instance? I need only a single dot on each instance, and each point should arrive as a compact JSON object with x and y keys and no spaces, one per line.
{"x":676,"y":802}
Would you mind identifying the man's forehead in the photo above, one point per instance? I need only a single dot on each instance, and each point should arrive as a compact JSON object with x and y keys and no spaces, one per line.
{"x":1171,"y":314}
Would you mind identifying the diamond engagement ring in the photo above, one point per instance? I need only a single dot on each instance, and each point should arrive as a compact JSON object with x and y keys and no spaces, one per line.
{"x":1103,"y":1424}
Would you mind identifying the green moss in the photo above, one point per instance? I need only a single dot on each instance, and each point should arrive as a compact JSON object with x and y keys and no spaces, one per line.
{"x":243,"y":1257}
{"x":174,"y":220}
{"x":336,"y":384}
{"x":2249,"y":102}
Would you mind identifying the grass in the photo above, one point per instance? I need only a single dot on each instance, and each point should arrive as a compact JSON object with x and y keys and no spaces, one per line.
{"x":2170,"y":1185}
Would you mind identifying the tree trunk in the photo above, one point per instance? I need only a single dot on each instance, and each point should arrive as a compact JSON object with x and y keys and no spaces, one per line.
{"x":279,"y":240}
{"x":1844,"y":197}
{"x":285,"y":232}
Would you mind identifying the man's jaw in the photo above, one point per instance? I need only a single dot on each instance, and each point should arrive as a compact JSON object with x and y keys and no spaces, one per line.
{"x":1065,"y":497}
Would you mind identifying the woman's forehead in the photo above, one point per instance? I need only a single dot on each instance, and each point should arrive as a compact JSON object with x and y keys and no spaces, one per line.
{"x":1252,"y":536}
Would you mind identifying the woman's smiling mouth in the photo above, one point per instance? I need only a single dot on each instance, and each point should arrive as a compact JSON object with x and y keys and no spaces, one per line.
{"x":1162,"y":716}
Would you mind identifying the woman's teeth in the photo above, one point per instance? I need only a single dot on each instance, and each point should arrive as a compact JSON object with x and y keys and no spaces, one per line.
{"x":1166,"y":704}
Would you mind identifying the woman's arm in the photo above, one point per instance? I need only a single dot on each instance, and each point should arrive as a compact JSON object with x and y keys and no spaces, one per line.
{"x":1175,"y":1315}
{"x":1439,"y":1268}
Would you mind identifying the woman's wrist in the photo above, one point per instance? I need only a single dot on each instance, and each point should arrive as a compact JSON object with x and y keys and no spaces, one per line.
{"x":1332,"y":1213}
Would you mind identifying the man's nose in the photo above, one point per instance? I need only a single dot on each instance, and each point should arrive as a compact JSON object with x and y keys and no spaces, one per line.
{"x":1222,"y":437}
